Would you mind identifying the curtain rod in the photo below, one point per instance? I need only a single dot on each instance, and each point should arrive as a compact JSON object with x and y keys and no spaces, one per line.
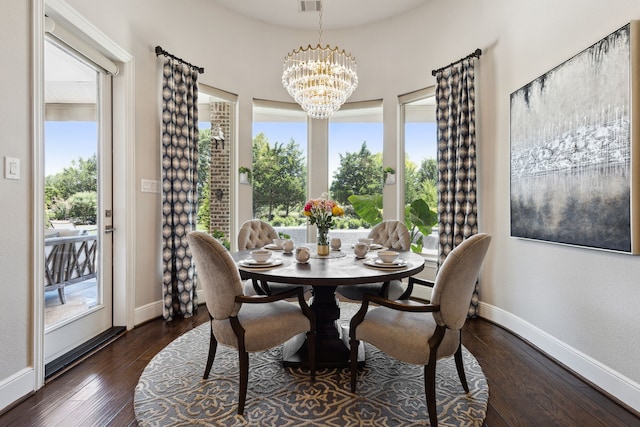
{"x":477,"y":54}
{"x":161,"y":51}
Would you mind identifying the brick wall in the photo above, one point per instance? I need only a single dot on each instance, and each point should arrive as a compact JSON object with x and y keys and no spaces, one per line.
{"x":220,"y":176}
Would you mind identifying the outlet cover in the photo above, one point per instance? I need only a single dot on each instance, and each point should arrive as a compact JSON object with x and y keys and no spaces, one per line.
{"x":150,"y":186}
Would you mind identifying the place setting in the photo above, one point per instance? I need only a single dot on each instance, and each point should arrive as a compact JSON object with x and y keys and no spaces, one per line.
{"x":371,"y":246}
{"x":386,"y":259}
{"x":260,"y":258}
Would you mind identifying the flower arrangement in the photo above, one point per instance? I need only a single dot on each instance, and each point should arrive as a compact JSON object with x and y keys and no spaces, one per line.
{"x":320,"y":212}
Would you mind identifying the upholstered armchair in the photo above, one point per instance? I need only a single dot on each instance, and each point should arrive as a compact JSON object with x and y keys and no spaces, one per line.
{"x":423,"y":333}
{"x":247,"y":323}
{"x":394,"y":235}
{"x":253,"y":234}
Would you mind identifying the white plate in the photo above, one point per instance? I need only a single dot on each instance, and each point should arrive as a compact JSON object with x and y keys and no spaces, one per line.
{"x":273,"y":247}
{"x":252,"y":263}
{"x":377,"y":262}
{"x":374,"y":247}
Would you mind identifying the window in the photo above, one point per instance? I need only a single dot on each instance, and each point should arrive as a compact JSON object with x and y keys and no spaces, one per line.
{"x":279,"y":170}
{"x":355,"y":162}
{"x":420,"y":152}
{"x":216,"y":116}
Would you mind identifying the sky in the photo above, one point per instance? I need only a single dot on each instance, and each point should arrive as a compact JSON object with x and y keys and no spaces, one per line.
{"x":66,"y":141}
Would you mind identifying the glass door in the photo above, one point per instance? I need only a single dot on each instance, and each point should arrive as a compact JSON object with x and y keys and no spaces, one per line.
{"x":78,"y":208}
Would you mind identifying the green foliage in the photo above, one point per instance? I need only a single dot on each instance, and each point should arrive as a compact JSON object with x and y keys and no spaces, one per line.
{"x":72,"y":193}
{"x":58,"y":210}
{"x":279,"y":177}
{"x":81,"y":176}
{"x":204,"y":212}
{"x":358,"y":173}
{"x":82,"y":207}
{"x":217,"y":234}
{"x":418,"y":217}
{"x":204,"y":165}
{"x":350,"y":223}
{"x":286,"y":221}
{"x":367,"y":207}
{"x":419,"y":220}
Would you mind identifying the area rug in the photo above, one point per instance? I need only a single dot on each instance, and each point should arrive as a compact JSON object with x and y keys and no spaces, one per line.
{"x":171,"y":391}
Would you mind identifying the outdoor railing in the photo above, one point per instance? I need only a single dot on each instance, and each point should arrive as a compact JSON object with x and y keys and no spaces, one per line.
{"x":69,"y":260}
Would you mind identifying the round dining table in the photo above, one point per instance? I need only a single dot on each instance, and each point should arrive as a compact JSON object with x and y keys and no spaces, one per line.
{"x":324,"y":274}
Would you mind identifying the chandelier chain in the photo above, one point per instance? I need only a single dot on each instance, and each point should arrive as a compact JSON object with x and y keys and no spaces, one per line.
{"x":320,"y":25}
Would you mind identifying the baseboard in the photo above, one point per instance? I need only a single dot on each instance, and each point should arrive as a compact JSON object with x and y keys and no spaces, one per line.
{"x":16,"y":387}
{"x":611,"y":382}
{"x":147,"y":312}
{"x":154,"y":310}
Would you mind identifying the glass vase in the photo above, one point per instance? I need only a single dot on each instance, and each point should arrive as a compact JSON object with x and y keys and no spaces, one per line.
{"x":323,"y":241}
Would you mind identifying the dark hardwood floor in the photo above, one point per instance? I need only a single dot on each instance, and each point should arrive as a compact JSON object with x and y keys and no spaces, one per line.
{"x":526,"y":388}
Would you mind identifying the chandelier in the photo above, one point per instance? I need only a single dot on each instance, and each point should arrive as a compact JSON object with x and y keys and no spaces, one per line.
{"x":320,"y":79}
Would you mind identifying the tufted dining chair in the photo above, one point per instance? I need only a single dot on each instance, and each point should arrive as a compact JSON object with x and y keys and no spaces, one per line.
{"x":421,"y":334}
{"x":394,"y":235}
{"x":247,"y":323}
{"x":254,"y":234}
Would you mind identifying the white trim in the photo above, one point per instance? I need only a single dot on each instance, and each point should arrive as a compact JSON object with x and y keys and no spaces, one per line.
{"x":16,"y":387}
{"x":148,"y":312}
{"x":37,"y":253}
{"x":612,"y":382}
{"x":124,"y":196}
{"x":77,"y":44}
{"x":154,"y":310}
{"x":124,"y":177}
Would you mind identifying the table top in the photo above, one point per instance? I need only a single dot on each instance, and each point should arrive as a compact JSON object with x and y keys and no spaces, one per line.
{"x":330,"y":271}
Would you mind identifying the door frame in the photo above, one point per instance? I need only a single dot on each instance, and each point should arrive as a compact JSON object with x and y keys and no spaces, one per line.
{"x":124,"y":259}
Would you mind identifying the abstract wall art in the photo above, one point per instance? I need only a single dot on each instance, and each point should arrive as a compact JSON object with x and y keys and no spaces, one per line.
{"x":574,"y":155}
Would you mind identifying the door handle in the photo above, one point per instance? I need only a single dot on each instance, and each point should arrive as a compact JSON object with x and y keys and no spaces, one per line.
{"x":109,"y":229}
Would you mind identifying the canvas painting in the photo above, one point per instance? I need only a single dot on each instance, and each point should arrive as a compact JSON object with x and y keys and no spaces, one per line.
{"x":571,"y":157}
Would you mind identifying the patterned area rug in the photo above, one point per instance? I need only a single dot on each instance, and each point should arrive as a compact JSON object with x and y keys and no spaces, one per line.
{"x":171,"y":391}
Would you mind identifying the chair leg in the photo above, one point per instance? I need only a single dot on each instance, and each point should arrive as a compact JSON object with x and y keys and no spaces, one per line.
{"x":460,"y":367}
{"x":213,"y":346}
{"x":311,"y":353}
{"x":61,"y":294}
{"x":430,"y":391}
{"x":244,"y":379}
{"x":354,"y":363}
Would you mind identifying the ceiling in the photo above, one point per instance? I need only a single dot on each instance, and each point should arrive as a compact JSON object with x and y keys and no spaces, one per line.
{"x":336,"y":14}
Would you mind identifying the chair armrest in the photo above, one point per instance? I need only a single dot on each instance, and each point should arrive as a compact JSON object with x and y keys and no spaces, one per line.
{"x":423,"y":282}
{"x":414,"y":280}
{"x":296,"y":292}
{"x":261,"y":299}
{"x":395,"y":305}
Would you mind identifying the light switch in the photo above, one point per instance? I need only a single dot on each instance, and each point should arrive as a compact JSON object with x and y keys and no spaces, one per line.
{"x":11,"y":168}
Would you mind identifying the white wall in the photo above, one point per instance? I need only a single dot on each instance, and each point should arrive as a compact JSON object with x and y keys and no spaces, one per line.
{"x":580,"y":305}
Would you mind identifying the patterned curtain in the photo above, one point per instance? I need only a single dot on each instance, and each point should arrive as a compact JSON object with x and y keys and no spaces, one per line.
{"x":455,"y":114}
{"x":179,"y":179}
